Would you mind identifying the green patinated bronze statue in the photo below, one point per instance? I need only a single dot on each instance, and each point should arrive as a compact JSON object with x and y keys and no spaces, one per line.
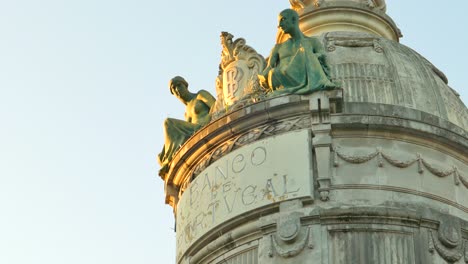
{"x":176,"y":131}
{"x":296,"y":66}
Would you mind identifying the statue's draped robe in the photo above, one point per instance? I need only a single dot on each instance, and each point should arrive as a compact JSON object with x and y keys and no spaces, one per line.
{"x":306,"y":72}
{"x":176,"y":132}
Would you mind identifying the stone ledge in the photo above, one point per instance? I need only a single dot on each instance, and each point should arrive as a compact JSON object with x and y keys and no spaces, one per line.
{"x":277,"y":111}
{"x":233,"y":234}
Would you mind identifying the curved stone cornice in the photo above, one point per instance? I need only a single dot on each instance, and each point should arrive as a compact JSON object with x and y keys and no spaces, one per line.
{"x":229,"y":127}
{"x":225,"y":128}
{"x":292,"y":112}
{"x":314,"y":22}
{"x":357,"y":218}
{"x":375,"y":5}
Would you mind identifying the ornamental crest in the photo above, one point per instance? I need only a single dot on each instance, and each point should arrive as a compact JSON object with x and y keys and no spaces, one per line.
{"x":240,"y":64}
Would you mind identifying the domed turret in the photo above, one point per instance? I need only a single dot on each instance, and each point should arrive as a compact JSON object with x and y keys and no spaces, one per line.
{"x":373,"y":169}
{"x":376,"y":71}
{"x":320,"y":16}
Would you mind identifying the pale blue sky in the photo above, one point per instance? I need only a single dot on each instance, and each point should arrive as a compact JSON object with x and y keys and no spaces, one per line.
{"x":84,"y":92}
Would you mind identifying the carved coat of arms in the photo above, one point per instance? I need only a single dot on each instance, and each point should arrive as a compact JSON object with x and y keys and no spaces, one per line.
{"x":239,"y":67}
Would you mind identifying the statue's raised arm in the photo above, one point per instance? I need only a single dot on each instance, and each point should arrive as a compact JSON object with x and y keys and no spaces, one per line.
{"x":197,"y":115}
{"x":298,"y":65}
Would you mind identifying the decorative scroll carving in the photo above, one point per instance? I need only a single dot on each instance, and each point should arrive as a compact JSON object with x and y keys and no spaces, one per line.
{"x":377,"y":4}
{"x":422,"y":164}
{"x":237,"y":76}
{"x":324,"y":188}
{"x":450,"y":232}
{"x":450,"y":254}
{"x":285,"y":125}
{"x":297,"y":4}
{"x":354,"y":43}
{"x":301,"y":4}
{"x":291,"y":246}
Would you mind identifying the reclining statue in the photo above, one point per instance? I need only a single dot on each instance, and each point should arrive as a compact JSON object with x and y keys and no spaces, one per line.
{"x":296,"y":66}
{"x":176,"y":131}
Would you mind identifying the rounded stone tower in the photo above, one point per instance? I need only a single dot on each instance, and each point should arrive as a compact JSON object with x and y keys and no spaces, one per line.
{"x":375,"y":172}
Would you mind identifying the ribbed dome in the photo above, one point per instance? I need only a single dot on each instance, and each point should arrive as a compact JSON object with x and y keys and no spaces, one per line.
{"x":373,"y":69}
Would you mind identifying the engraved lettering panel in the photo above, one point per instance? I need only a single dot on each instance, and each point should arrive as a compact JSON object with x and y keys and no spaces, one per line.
{"x":265,"y":172}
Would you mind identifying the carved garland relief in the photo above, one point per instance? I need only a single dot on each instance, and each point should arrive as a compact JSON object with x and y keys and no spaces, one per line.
{"x":382,"y":156}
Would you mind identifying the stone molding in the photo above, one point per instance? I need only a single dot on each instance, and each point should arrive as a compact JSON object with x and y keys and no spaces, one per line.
{"x":359,"y":187}
{"x":265,"y":231}
{"x":375,"y":5}
{"x":282,"y":126}
{"x":292,"y":112}
{"x":242,"y":124}
{"x":345,"y":17}
{"x":357,"y":115}
{"x":353,"y":42}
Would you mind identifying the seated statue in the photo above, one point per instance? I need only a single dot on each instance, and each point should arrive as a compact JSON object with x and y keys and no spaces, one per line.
{"x":296,"y":66}
{"x":176,"y":131}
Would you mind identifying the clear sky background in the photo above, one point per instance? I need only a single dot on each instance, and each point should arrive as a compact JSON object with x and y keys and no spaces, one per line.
{"x":83,"y":95}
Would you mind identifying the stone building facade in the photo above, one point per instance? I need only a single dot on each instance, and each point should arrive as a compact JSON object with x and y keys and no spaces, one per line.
{"x":375,"y":172}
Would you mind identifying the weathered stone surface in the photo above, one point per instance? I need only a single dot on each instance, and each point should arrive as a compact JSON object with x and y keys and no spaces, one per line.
{"x":390,"y":177}
{"x":376,"y":172}
{"x":244,"y":180}
{"x":396,"y":77}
